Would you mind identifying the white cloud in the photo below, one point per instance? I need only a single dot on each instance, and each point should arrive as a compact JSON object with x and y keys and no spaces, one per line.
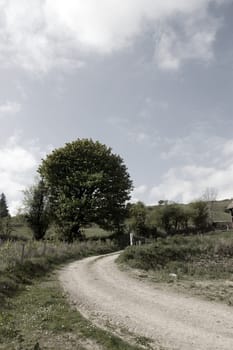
{"x":39,"y":35}
{"x":193,"y":41}
{"x":210,"y":165}
{"x":228,"y":148}
{"x":195,"y":147}
{"x":10,"y":108}
{"x":188,"y":183}
{"x":139,"y":193}
{"x":18,"y":165}
{"x":139,"y":137}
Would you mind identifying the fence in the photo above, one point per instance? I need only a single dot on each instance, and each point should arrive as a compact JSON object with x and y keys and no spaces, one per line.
{"x":13,"y":253}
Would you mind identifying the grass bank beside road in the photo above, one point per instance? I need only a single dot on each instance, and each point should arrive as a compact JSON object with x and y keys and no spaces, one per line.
{"x":201,"y":265}
{"x":39,"y":259}
{"x":40,"y":318}
{"x":34,"y":312}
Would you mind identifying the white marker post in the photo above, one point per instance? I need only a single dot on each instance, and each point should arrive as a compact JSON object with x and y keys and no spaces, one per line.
{"x":131,"y":238}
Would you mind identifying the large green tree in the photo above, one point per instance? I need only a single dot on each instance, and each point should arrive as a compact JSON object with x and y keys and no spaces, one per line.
{"x":87,"y":183}
{"x":3,"y":206}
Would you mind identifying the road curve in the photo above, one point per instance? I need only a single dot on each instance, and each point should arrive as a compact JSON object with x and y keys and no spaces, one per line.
{"x":107,"y":295}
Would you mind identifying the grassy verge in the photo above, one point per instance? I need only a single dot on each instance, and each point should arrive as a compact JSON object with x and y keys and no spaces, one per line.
{"x":34,"y":313}
{"x":14,"y":275}
{"x":203,"y":265}
{"x":40,"y":318}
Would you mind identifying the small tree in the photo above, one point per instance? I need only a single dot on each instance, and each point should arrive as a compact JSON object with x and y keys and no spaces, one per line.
{"x":138,"y":215}
{"x":210,"y":196}
{"x":37,"y":209}
{"x":200,"y":216}
{"x":3,"y":207}
{"x":6,"y":227}
{"x":174,"y":218}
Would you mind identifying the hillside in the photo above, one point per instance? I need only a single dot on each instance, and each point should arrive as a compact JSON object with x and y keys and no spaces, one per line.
{"x":218,"y":211}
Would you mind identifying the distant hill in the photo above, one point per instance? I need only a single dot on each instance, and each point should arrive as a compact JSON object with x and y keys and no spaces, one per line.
{"x":218,"y":211}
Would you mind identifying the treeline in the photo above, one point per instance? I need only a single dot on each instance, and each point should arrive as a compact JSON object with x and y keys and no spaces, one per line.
{"x":85,"y":183}
{"x":170,"y":218}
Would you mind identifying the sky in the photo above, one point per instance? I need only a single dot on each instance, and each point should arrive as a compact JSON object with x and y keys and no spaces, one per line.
{"x":152,"y":79}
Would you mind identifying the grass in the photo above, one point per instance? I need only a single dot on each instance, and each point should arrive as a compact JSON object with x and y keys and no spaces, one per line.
{"x":40,"y":318}
{"x":14,"y":274}
{"x":95,"y":231}
{"x":219,"y":213}
{"x":21,"y":230}
{"x":34,"y":313}
{"x":203,"y":264}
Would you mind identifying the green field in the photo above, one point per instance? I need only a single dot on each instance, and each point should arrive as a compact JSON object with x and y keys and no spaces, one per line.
{"x":23,"y":232}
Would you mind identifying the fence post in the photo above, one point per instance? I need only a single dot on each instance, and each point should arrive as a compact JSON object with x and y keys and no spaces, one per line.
{"x":44,"y":248}
{"x":22,"y":254}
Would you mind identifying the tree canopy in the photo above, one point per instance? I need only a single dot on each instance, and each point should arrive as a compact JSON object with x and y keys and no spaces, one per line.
{"x":87,"y":183}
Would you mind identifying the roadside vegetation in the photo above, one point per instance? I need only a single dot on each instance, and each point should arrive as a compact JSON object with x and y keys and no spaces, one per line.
{"x":202,"y":264}
{"x":39,"y":258}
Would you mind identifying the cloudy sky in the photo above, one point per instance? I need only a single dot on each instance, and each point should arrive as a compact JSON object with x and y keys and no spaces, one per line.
{"x":153,"y":79}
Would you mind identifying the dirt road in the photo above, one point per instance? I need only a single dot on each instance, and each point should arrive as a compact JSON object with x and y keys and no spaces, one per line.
{"x":111,"y":297}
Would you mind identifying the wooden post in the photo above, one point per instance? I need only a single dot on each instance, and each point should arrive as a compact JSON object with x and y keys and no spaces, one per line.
{"x":22,"y":253}
{"x":30,"y":249}
{"x":44,"y":248}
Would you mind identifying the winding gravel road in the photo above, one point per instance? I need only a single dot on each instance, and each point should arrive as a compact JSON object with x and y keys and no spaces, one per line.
{"x":111,"y":297}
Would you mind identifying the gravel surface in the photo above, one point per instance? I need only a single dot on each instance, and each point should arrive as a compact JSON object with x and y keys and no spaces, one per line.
{"x":108,"y":296}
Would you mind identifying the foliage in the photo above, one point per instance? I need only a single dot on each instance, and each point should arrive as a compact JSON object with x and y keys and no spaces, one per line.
{"x":37,"y":209}
{"x":210,"y":196}
{"x":179,"y":218}
{"x":138,"y":215}
{"x":6,"y":227}
{"x":200,"y":217}
{"x":173,"y":217}
{"x":139,"y":222}
{"x":209,"y":255}
{"x":3,"y":206}
{"x":87,"y":184}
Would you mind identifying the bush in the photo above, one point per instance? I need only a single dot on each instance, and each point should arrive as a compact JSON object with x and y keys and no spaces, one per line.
{"x":194,"y":254}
